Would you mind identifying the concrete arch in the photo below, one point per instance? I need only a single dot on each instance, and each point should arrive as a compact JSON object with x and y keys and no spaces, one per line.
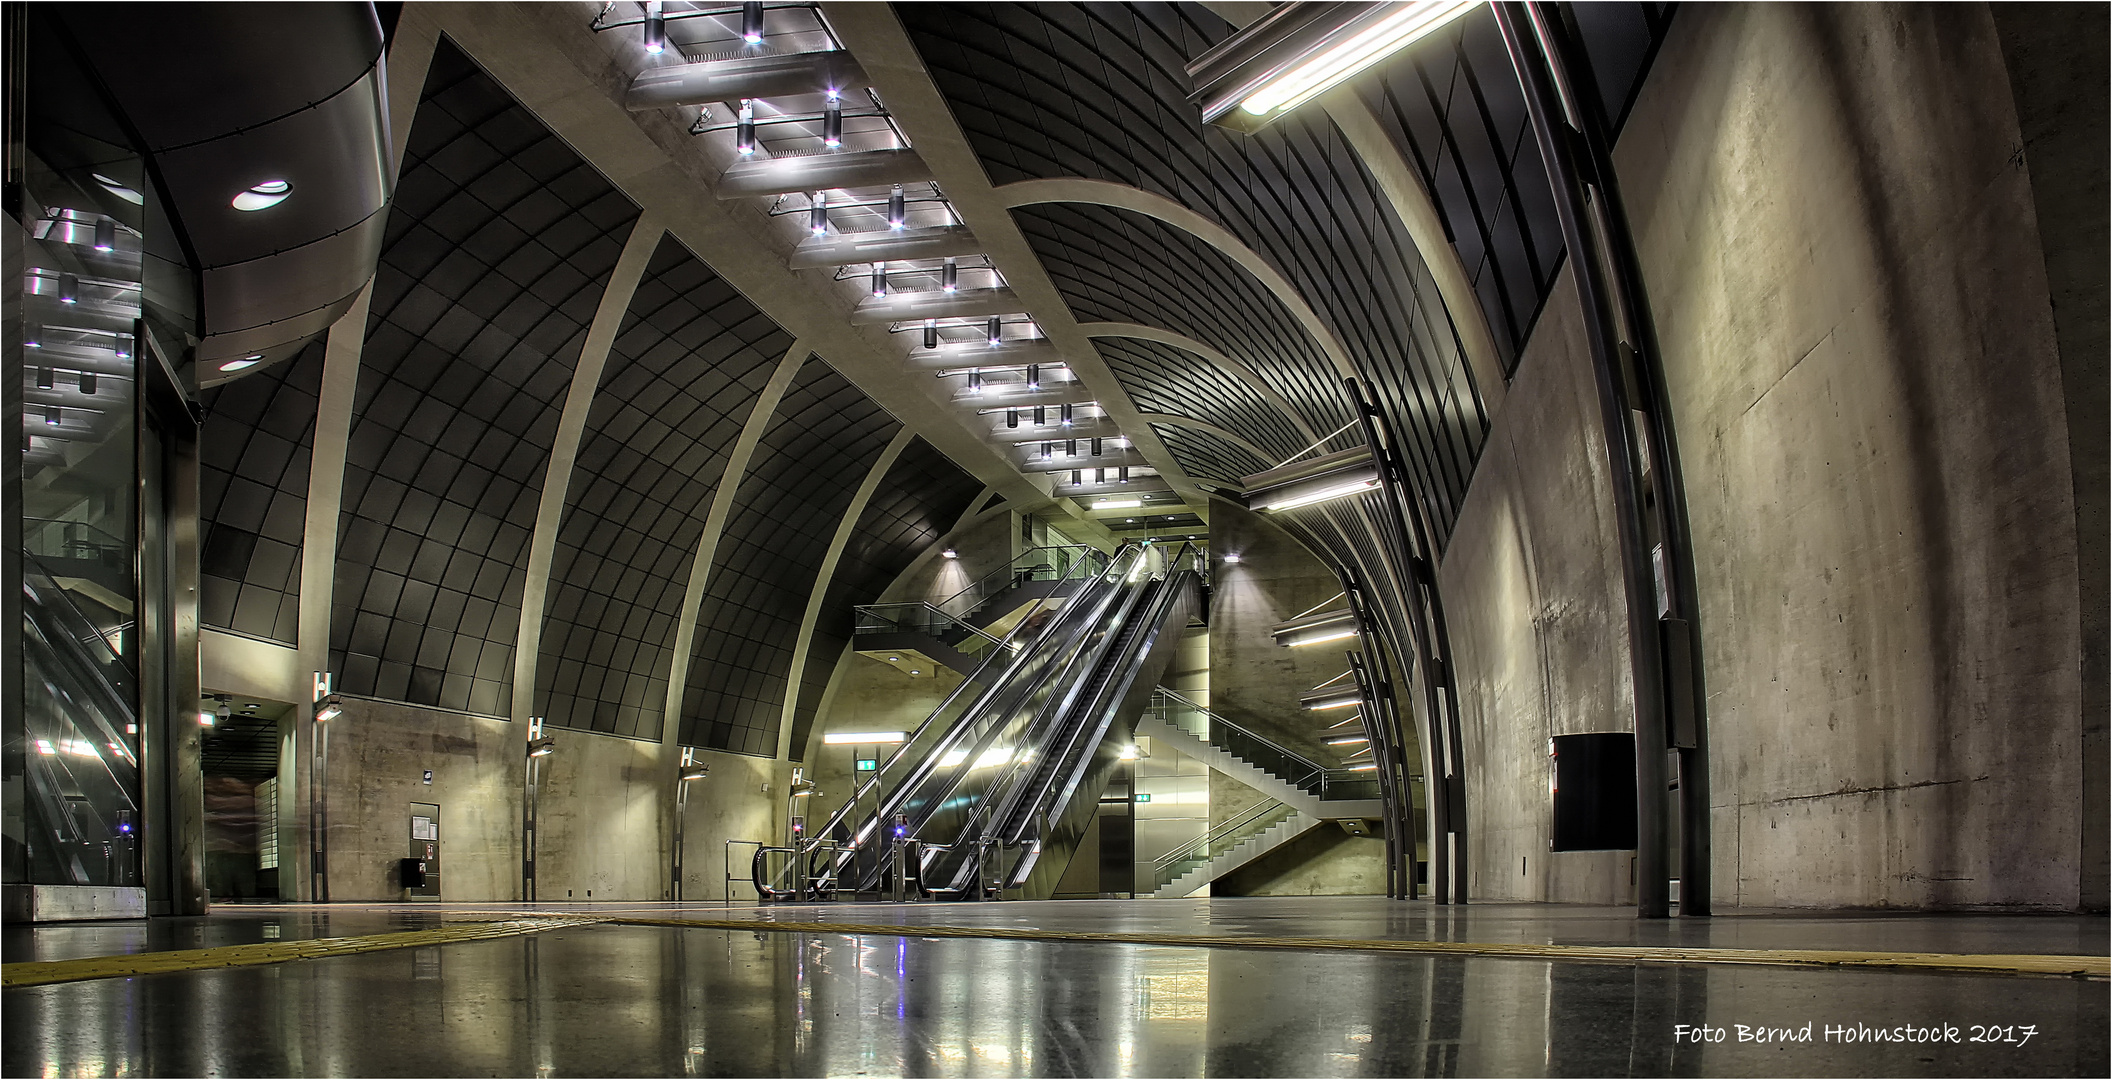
{"x":564,"y":449}
{"x":1225,"y":363}
{"x":826,"y":574}
{"x":1123,"y":197}
{"x":715,"y":526}
{"x":1403,"y":189}
{"x":1208,"y":429}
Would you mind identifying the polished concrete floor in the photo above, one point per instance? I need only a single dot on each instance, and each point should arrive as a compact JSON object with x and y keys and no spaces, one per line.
{"x":633,"y":1000}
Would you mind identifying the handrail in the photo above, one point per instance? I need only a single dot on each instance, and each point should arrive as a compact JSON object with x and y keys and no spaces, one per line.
{"x":937,"y":616}
{"x":1221,"y":833}
{"x":976,"y":686}
{"x":1010,"y":573}
{"x":1313,"y":773}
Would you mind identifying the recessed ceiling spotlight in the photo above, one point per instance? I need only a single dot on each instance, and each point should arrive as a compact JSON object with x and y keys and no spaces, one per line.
{"x":250,"y":361}
{"x":263,"y":196}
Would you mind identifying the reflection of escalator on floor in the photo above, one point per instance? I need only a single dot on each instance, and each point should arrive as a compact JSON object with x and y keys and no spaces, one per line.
{"x":992,"y":786}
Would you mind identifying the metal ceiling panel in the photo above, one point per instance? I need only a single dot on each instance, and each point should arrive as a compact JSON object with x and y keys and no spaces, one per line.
{"x":812,"y":458}
{"x":253,"y":454}
{"x":685,"y":370}
{"x":917,"y":502}
{"x":499,"y":247}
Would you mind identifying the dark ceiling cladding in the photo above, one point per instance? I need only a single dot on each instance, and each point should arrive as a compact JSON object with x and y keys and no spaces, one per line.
{"x":280,"y":102}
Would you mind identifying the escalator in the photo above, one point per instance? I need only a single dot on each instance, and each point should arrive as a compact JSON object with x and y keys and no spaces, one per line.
{"x":992,"y":781}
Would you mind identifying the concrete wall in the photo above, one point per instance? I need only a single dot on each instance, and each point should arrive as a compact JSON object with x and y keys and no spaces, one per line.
{"x":742,"y":799}
{"x":1253,"y":682}
{"x":1839,"y":236}
{"x":379,"y":753}
{"x":603,"y":819}
{"x":1325,"y":861}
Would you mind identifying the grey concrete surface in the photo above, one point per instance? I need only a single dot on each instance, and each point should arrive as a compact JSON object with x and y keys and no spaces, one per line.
{"x":1851,"y":295}
{"x":619,"y":1001}
{"x":2057,"y":77}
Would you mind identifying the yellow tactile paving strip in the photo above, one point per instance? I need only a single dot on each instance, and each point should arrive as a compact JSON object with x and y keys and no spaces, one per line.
{"x":38,"y":973}
{"x":279,"y":952}
{"x":1982,"y":964}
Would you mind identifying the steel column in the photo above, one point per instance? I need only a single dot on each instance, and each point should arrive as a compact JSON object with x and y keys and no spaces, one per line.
{"x":1649,"y":500}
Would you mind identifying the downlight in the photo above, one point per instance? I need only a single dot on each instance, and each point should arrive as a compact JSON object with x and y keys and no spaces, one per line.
{"x":263,"y":196}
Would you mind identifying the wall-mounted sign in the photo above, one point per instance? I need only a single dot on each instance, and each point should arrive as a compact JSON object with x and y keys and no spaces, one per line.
{"x":866,"y":764}
{"x":428,"y":776}
{"x":1143,"y":796}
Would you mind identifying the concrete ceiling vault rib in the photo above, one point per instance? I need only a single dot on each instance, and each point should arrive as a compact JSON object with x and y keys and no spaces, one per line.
{"x":557,"y":474}
{"x":576,"y":82}
{"x":1124,"y":197}
{"x":1211,"y":429}
{"x":815,"y":599}
{"x":1223,"y":362}
{"x":875,"y":36}
{"x":701,"y":562}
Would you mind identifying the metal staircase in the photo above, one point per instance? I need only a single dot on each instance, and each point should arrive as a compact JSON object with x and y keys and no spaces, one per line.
{"x":1248,"y":836}
{"x":1301,"y":793}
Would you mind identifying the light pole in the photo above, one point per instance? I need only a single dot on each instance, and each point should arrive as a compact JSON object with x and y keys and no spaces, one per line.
{"x":326,"y":707}
{"x":691,"y":769}
{"x":540,"y":746}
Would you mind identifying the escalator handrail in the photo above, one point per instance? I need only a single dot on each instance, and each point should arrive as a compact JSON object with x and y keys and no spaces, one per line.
{"x":1015,"y":661}
{"x":1093,"y":710}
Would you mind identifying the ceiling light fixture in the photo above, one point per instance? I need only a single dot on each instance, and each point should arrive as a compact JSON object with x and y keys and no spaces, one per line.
{"x":1231,"y":560}
{"x":1304,"y":483}
{"x":263,"y":196}
{"x":931,"y":333}
{"x":655,"y":28}
{"x":331,"y":708}
{"x":997,"y":330}
{"x":950,"y":277}
{"x":744,"y":129}
{"x":543,"y":747}
{"x":949,"y":553}
{"x":752,"y":23}
{"x":1033,"y":370}
{"x":105,"y":234}
{"x":44,"y":378}
{"x":818,"y":213}
{"x":832,"y":122}
{"x":69,"y":289}
{"x":863,"y":738}
{"x":119,"y":190}
{"x":88,"y":383}
{"x":1300,"y":51}
{"x":897,"y":208}
{"x":879,"y":279}
{"x":250,"y":361}
{"x":1118,"y":504}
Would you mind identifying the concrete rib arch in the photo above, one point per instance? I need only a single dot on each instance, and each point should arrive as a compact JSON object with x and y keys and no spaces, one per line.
{"x":1123,"y":197}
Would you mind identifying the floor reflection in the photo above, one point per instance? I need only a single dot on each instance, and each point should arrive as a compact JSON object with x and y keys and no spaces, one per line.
{"x":611,"y":1001}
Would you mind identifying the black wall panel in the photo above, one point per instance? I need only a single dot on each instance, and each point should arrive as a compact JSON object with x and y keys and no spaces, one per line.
{"x":253,"y":456}
{"x":1099,"y":90}
{"x":683,"y":374}
{"x":499,"y":245}
{"x":811,"y":459}
{"x":1163,"y":379}
{"x":1206,"y":456}
{"x":918,"y":500}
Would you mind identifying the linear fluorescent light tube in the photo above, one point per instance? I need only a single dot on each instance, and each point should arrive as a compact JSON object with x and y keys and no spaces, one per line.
{"x":1321,"y":638}
{"x":1324,"y":705}
{"x":1356,"y":488}
{"x":1118,"y":504}
{"x":862,"y":738}
{"x":1344,"y":59}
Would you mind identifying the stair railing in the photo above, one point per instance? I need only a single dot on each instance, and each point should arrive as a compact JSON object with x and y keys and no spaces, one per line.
{"x":1227,"y":835}
{"x":1053,"y":563}
{"x":1290,"y":766}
